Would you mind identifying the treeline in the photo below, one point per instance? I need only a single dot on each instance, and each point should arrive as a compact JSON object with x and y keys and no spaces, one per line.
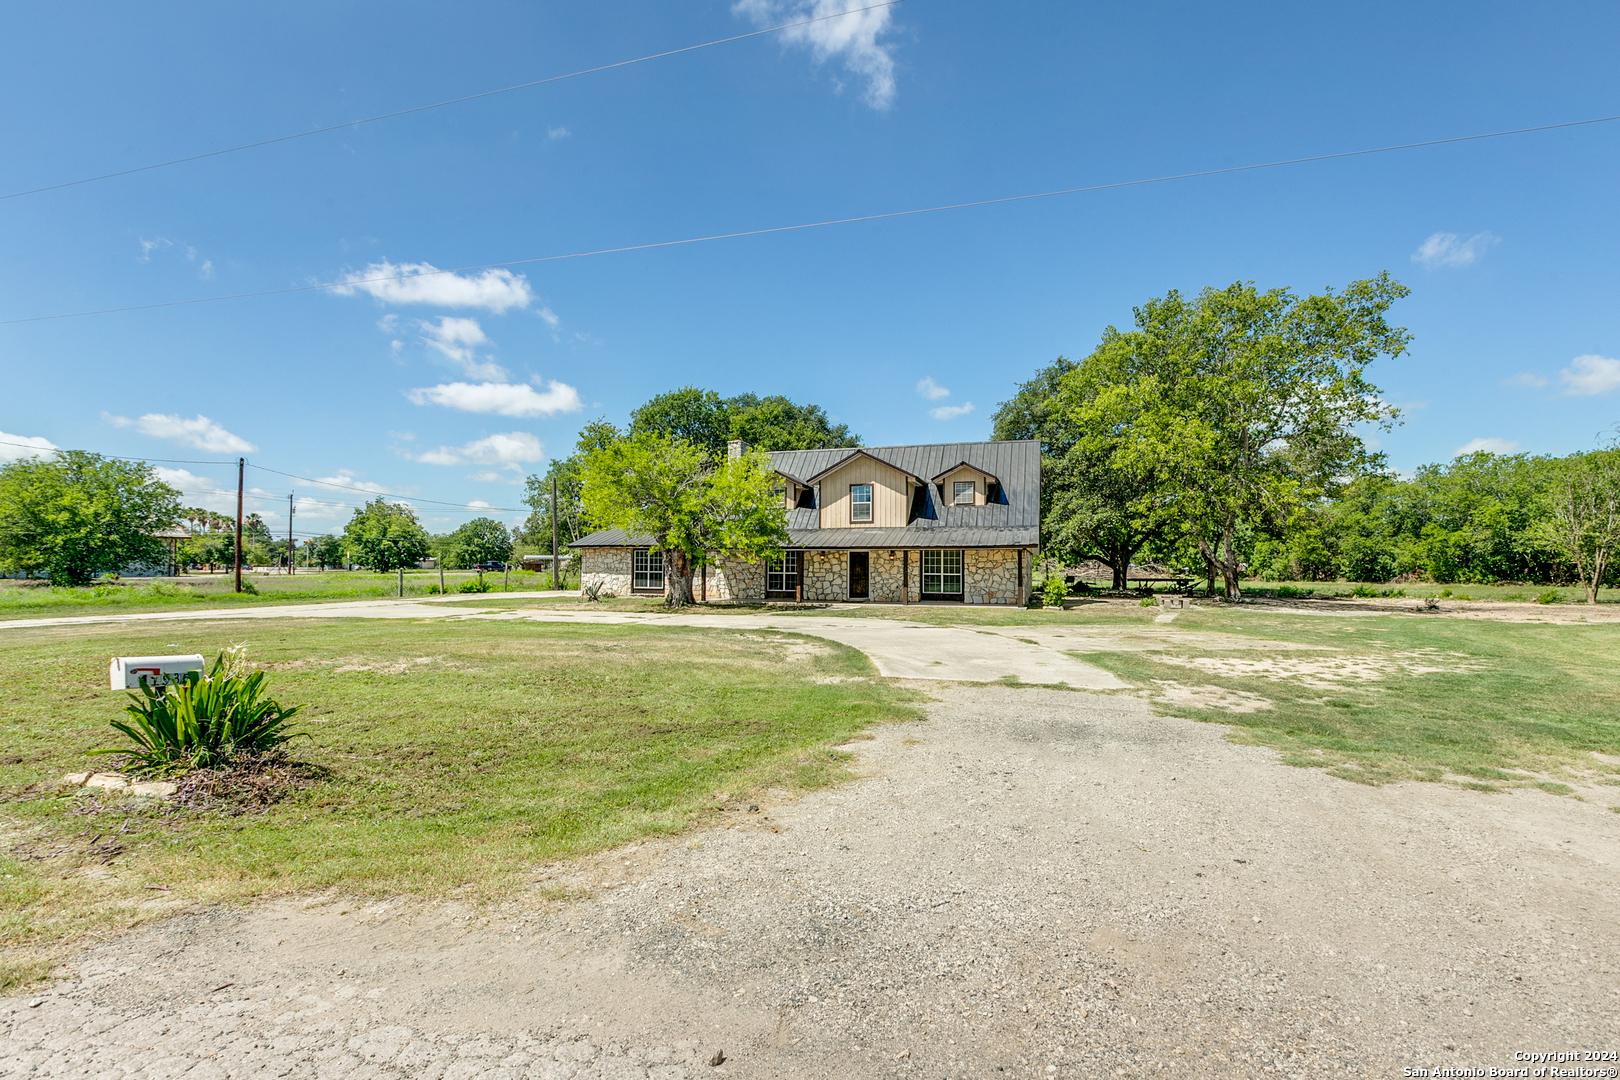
{"x":1481,"y":519}
{"x":1221,"y":434}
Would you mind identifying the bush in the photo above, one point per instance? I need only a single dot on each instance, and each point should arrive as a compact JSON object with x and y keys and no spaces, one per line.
{"x":1054,"y":590}
{"x":203,"y":722}
{"x":473,"y":585}
{"x":1285,"y":592}
{"x":1551,"y":596}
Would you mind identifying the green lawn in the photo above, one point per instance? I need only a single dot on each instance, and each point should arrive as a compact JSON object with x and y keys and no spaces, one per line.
{"x":27,"y":599}
{"x":1500,"y":704}
{"x":461,"y":756}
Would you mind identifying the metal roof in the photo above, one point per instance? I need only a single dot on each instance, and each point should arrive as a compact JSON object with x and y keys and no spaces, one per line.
{"x":1013,"y":522}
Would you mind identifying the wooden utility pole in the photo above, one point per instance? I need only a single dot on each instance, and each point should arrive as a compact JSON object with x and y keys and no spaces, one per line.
{"x":241,"y":464}
{"x":556,"y":582}
{"x":290,"y":548}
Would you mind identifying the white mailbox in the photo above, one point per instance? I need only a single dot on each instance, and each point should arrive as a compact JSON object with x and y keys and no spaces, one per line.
{"x":125,"y":671}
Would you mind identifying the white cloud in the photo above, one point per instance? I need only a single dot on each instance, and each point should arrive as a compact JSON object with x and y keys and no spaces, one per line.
{"x":345,"y":478}
{"x":1489,"y":446}
{"x":199,"y":432}
{"x":1525,"y":378}
{"x":501,"y":399}
{"x":423,"y":283}
{"x":558,"y":133}
{"x":1591,"y":374}
{"x":505,"y":449}
{"x":951,"y":412}
{"x":852,"y":38}
{"x":931,"y":390}
{"x":455,"y":339}
{"x":1453,"y":249}
{"x":549,"y":316}
{"x":17,"y":447}
{"x":490,"y":476}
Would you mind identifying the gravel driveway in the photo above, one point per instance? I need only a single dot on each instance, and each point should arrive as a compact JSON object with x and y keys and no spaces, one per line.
{"x":1028,"y":883}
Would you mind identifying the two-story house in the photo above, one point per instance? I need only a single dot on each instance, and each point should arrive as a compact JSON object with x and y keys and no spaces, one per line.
{"x":952,"y":522}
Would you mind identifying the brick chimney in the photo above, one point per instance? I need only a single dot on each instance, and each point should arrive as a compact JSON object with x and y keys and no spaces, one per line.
{"x":735,"y":449}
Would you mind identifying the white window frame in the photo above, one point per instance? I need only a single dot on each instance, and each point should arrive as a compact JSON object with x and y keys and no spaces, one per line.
{"x":867,"y":502}
{"x":778,"y":577}
{"x":964,"y":487}
{"x":940,"y":568}
{"x":651,"y":570}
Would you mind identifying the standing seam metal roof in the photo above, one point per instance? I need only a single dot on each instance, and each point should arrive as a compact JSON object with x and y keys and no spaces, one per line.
{"x":1014,"y":522}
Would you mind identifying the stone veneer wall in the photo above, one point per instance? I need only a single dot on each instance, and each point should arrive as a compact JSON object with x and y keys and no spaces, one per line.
{"x":732,"y":579}
{"x":825,"y":575}
{"x":991,"y":577}
{"x":608,"y":566}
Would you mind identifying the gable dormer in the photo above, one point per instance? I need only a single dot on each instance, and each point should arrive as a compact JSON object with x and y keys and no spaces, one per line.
{"x":862,"y":491}
{"x":964,"y":484}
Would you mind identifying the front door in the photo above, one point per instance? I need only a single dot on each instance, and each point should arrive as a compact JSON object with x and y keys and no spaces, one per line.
{"x":859,"y":575}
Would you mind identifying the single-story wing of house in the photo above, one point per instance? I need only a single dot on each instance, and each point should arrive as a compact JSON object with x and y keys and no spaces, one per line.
{"x":948,"y":522}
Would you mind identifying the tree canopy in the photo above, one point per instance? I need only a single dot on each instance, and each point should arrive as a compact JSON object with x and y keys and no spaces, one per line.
{"x":708,"y":421}
{"x":689,"y":500}
{"x":480,"y":540}
{"x":1244,"y":403}
{"x":76,"y":515}
{"x":384,"y":536}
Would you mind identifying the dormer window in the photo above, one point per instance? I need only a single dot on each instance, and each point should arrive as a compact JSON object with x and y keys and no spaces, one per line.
{"x":963,"y":492}
{"x":860,"y":502}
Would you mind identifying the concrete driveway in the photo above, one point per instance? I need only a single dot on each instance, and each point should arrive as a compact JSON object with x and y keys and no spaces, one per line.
{"x":900,"y":649}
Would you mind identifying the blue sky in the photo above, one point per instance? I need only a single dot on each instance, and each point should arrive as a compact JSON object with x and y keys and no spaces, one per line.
{"x":910,"y":330}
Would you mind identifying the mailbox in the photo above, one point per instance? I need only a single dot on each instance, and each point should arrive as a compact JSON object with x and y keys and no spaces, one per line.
{"x":125,"y":671}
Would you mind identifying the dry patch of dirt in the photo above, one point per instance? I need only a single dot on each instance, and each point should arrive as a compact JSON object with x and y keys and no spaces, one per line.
{"x":1170,"y":692}
{"x":793,"y":648}
{"x":1327,"y":672}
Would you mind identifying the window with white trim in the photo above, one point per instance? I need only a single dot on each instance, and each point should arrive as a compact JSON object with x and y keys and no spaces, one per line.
{"x":942,"y":573}
{"x":962,"y":492}
{"x":647,"y":569}
{"x":782,"y":575}
{"x":860,"y":502}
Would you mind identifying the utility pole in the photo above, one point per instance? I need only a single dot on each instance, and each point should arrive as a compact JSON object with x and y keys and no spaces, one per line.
{"x":555,"y":582}
{"x":290,"y":548}
{"x":241,"y":464}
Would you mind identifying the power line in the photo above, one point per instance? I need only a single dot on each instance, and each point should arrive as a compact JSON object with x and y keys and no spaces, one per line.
{"x":384,"y":494}
{"x":449,"y":101}
{"x":435,"y":505}
{"x":352,"y":282}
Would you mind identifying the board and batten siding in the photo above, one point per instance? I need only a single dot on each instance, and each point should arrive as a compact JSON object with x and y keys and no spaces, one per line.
{"x":981,"y":484}
{"x":891,"y":501}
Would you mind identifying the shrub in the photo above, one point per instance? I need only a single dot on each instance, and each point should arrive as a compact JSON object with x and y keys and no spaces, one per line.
{"x":473,"y":585}
{"x":1285,"y":592}
{"x":1147,"y":601}
{"x":1551,"y":596}
{"x":1054,"y":590}
{"x":593,"y":592}
{"x":203,"y":722}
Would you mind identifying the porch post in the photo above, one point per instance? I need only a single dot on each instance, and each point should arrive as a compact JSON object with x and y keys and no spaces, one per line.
{"x":905,"y":576}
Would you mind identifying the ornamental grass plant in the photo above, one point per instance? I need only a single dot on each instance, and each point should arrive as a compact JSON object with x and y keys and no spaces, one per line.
{"x":203,"y":723}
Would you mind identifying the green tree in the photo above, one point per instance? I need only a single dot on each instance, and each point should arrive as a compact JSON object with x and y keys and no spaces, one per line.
{"x":691,"y":502}
{"x":481,"y":540}
{"x":708,"y":421}
{"x":1038,"y":411}
{"x":697,"y":417}
{"x":384,"y":536}
{"x":325,"y":550}
{"x":775,"y":423}
{"x":1584,"y":519}
{"x":1246,"y":402}
{"x":76,"y":515}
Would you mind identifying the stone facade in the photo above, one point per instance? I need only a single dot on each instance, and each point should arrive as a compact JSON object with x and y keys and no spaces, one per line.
{"x":988,"y":577}
{"x":732,"y":579}
{"x":991,"y":577}
{"x":608,"y":567}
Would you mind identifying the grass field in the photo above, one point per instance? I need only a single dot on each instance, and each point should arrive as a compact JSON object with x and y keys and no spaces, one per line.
{"x":25,"y":599}
{"x":461,"y":756}
{"x":1400,"y":697}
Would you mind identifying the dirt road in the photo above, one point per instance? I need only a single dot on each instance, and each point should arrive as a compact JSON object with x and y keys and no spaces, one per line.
{"x":1029,"y":883}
